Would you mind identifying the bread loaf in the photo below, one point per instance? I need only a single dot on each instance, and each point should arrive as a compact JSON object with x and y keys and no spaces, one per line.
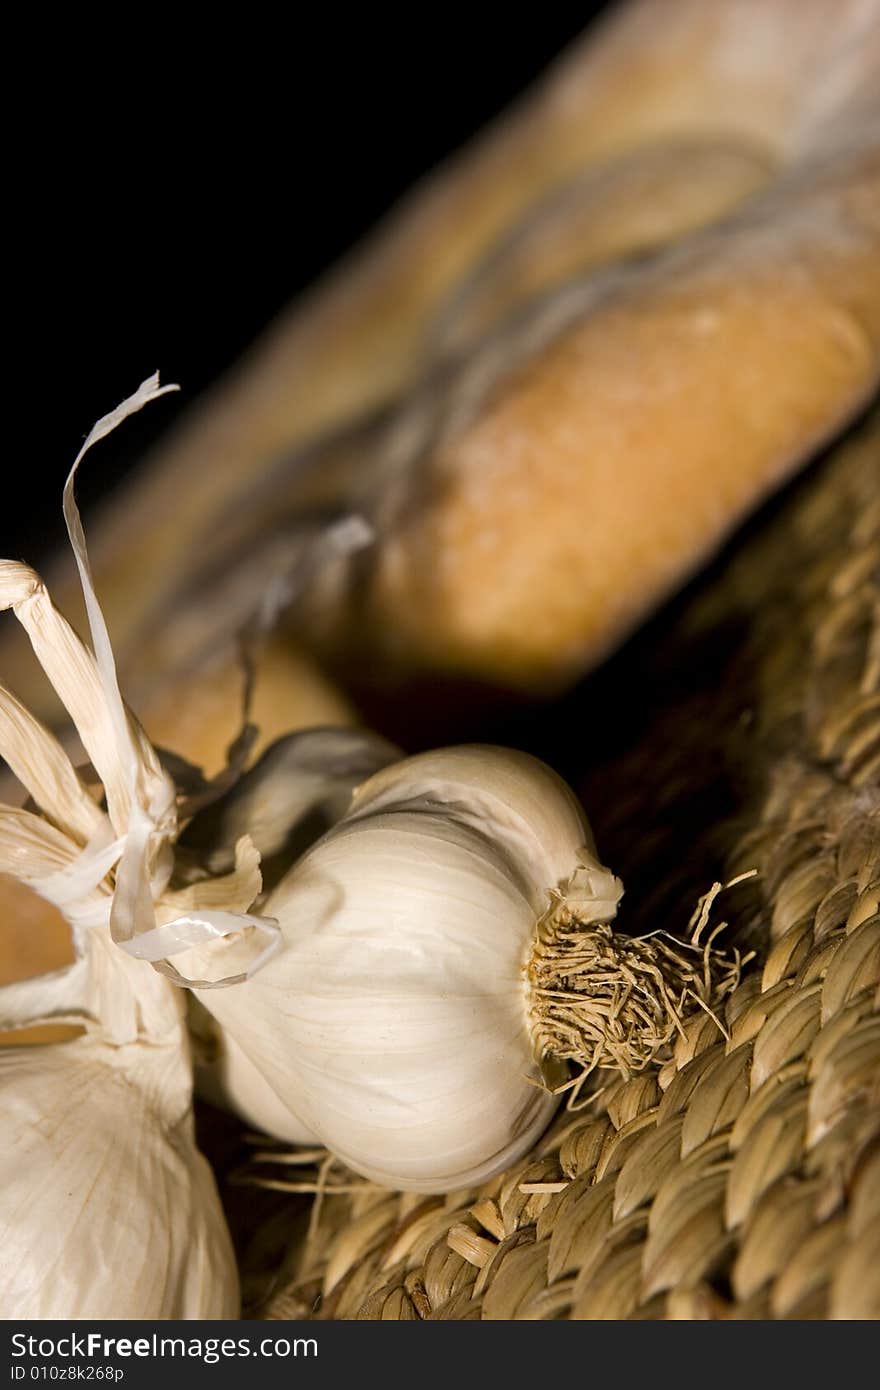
{"x":598,"y":337}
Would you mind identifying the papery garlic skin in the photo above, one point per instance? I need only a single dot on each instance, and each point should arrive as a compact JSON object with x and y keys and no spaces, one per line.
{"x":395,"y":1021}
{"x":106,"y":1210}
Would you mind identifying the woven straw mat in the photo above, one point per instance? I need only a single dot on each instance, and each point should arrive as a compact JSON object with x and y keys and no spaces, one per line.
{"x":739,"y":1176}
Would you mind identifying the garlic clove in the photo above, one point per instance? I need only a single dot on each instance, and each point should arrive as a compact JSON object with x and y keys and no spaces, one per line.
{"x":300,"y":786}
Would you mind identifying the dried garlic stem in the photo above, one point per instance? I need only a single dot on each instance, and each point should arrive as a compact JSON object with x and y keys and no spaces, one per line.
{"x":599,"y":998}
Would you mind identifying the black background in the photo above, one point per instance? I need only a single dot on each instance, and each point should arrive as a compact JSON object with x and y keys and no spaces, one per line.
{"x":171,"y":186}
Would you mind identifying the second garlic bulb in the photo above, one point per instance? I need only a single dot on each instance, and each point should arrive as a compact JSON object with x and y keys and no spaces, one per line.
{"x":396,"y":1023}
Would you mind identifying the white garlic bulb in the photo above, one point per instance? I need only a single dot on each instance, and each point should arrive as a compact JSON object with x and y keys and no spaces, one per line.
{"x":107,"y":1209}
{"x":398,"y":1022}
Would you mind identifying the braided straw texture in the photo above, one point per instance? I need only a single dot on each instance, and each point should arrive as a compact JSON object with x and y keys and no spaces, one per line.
{"x":740,"y":1176}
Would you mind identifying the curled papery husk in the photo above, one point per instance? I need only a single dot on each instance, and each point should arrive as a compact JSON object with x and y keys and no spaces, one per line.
{"x":107,"y":1209}
{"x":394,"y":1023}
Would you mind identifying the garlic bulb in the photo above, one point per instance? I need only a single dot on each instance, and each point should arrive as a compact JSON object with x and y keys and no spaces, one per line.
{"x":398,"y":1022}
{"x":107,"y":1209}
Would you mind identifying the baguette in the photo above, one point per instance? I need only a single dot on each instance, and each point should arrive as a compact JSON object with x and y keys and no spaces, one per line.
{"x":597,"y":338}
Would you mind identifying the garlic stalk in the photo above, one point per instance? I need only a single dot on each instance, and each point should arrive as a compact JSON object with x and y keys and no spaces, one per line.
{"x":107,"y":1209}
{"x":398,"y":1023}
